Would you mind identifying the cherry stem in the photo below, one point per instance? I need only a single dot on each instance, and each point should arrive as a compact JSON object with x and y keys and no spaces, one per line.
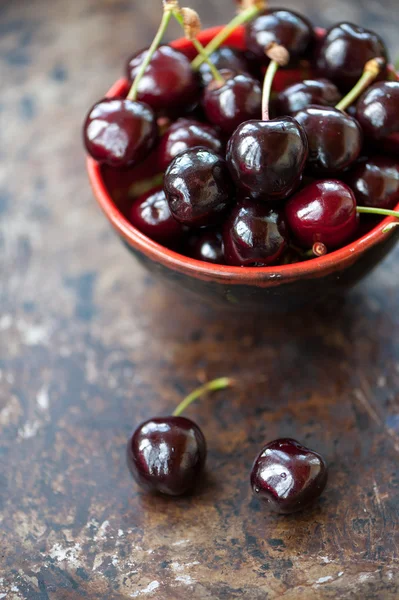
{"x":267,"y":88}
{"x":367,"y":210}
{"x":166,"y":17}
{"x":279,"y":57}
{"x":211,"y":386}
{"x":318,"y":249}
{"x":371,"y":70}
{"x":138,"y":188}
{"x":201,"y":51}
{"x":242,"y":17}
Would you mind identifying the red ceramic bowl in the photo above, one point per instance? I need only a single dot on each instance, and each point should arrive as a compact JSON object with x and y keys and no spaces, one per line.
{"x":280,"y":288}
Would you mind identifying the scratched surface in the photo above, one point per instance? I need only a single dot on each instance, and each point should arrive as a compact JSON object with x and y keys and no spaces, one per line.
{"x":90,"y":345}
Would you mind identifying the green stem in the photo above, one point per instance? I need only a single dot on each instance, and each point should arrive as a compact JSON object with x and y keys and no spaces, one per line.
{"x":367,"y":210}
{"x":167,"y":15}
{"x":139,"y":188}
{"x":371,"y":70}
{"x":240,"y":19}
{"x":308,"y":254}
{"x":267,"y":88}
{"x":211,"y":386}
{"x":201,"y":51}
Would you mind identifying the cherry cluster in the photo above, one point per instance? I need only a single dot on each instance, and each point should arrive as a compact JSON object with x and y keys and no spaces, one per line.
{"x":247,"y":175}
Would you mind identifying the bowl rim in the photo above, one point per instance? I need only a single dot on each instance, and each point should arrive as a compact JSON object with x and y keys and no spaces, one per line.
{"x":261,"y":276}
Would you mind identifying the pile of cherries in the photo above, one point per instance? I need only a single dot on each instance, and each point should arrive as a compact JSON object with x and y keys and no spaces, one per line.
{"x":234,"y":186}
{"x":245,"y":177}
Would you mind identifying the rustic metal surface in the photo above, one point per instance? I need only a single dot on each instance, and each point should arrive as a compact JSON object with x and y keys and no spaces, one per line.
{"x":90,"y":345}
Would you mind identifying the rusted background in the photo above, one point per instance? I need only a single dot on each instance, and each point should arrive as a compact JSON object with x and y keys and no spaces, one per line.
{"x":90,"y":345}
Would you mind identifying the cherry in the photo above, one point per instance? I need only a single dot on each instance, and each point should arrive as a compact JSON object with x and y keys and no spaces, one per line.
{"x":206,"y":246}
{"x":390,"y":145}
{"x":345,"y":50}
{"x":228,"y":105}
{"x":335,"y":138}
{"x":323,"y":211}
{"x":198,"y":187}
{"x":184,"y":134}
{"x":169,"y":84}
{"x":375,"y":182}
{"x":168,"y":454}
{"x":310,"y":91}
{"x":378,"y":110}
{"x":288,"y":476}
{"x":284,"y":27}
{"x":254,"y":234}
{"x":150,"y":213}
{"x":119,"y":132}
{"x":229,"y":58}
{"x":266,"y":158}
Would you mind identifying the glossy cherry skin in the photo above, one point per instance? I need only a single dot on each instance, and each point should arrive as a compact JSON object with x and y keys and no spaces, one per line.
{"x":284,"y":27}
{"x":229,"y":105}
{"x":288,"y":476}
{"x":378,"y":110}
{"x":310,"y":91}
{"x":207,"y":246}
{"x":120,"y":133}
{"x":254,"y":235}
{"x":185,"y":134}
{"x":266,"y":158}
{"x":335,"y":139}
{"x":225,"y":57}
{"x":167,"y":455}
{"x":345,"y":50}
{"x":198,"y":187}
{"x":151,"y":215}
{"x":324,"y":211}
{"x":169,"y":85}
{"x":375,"y":182}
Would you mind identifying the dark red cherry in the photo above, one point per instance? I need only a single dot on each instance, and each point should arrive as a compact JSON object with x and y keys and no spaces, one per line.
{"x":378,"y":110}
{"x":229,"y":105}
{"x":323,"y":211}
{"x":185,"y":134}
{"x":390,"y":145}
{"x":254,"y":234}
{"x":151,"y":215}
{"x":310,"y":91}
{"x":169,"y":84}
{"x":288,"y":476}
{"x":345,"y":50}
{"x":198,"y":187}
{"x":375,"y":182}
{"x":335,"y":139}
{"x":266,"y":158}
{"x":167,"y":455}
{"x":225,"y":57}
{"x":207,"y":246}
{"x":120,"y":133}
{"x":284,"y":27}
